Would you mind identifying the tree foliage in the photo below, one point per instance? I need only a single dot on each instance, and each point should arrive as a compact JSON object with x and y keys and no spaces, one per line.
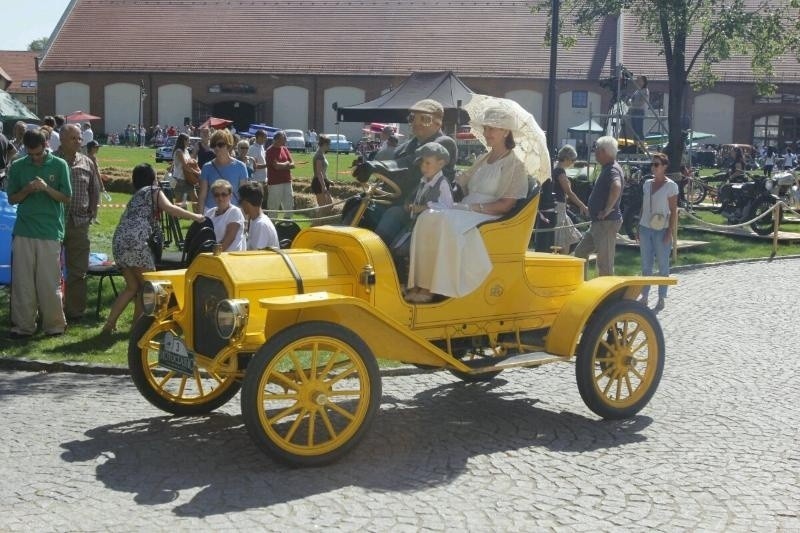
{"x":693,"y":36}
{"x":38,"y":45}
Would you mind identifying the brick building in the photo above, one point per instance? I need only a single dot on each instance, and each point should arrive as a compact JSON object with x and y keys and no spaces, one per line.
{"x":165,"y":62}
{"x":18,"y":74}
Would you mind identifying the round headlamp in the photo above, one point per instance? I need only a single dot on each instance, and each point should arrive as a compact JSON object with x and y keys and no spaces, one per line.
{"x":768,"y":184}
{"x":232,"y":317}
{"x":155,"y":295}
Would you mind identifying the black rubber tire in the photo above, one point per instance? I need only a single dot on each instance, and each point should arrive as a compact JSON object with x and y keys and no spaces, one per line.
{"x":252,"y":409}
{"x":765,"y":226}
{"x":142,"y":378}
{"x":697,"y":195}
{"x":586,"y":365}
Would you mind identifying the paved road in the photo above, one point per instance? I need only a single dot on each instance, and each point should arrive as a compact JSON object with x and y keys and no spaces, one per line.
{"x":716,"y":450}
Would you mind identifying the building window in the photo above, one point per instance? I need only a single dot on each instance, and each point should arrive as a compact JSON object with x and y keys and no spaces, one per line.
{"x":580,"y":99}
{"x":30,"y":99}
{"x":776,"y":130}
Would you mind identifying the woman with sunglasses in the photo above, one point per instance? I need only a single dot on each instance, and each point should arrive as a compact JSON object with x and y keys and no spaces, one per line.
{"x":222,"y":167}
{"x":657,"y":224}
{"x":228,"y":219}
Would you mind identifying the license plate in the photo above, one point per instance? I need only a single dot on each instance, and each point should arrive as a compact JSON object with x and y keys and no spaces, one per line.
{"x":173,"y":355}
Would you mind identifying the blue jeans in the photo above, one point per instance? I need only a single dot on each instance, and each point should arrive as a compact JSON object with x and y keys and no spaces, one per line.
{"x":652,"y":246}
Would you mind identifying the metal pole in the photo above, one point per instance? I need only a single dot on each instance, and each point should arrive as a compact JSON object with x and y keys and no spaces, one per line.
{"x":551,"y":86}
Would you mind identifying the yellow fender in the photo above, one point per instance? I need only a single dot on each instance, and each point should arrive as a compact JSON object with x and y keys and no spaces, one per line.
{"x":562,"y":338}
{"x":386,"y":338}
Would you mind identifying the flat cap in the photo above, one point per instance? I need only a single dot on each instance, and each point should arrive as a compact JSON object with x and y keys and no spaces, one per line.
{"x":433,"y":149}
{"x":432,"y":107}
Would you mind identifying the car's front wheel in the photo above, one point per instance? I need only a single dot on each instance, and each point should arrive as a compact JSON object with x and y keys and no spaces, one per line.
{"x":620,"y":360}
{"x":189,"y":393}
{"x":310,"y":393}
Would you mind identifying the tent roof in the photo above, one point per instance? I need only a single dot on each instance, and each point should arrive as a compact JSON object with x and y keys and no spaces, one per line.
{"x":444,"y":87}
{"x":586,"y":127}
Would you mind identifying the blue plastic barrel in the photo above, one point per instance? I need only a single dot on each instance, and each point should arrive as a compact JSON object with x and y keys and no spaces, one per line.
{"x":8,"y":215}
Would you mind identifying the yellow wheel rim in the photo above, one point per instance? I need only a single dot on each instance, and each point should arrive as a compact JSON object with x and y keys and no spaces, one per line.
{"x":197,"y":389}
{"x":313,"y":395}
{"x":624,"y":360}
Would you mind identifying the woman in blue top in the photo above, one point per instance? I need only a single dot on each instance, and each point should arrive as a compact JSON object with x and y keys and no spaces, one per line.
{"x":222,"y":167}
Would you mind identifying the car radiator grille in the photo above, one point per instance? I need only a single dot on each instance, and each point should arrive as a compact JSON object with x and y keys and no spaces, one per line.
{"x":206,"y":294}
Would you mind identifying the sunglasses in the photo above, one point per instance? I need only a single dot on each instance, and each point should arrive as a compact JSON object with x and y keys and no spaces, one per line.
{"x":221,"y":194}
{"x":424,"y":118}
{"x":221,"y":145}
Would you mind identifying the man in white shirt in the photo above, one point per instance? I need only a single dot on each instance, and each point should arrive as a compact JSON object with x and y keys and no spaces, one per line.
{"x":86,"y":136}
{"x":259,"y":155}
{"x":261,"y":232}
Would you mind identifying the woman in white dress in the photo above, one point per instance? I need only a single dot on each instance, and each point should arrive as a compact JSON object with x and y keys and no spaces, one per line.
{"x":448,"y":256}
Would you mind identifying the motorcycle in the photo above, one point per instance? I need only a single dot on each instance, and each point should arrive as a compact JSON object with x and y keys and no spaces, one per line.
{"x":784,"y":185}
{"x":743,"y":201}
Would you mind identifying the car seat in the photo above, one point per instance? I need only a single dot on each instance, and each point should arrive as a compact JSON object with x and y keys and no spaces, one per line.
{"x":287,"y":231}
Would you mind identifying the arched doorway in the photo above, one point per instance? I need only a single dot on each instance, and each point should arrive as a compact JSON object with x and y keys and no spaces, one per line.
{"x":241,"y":113}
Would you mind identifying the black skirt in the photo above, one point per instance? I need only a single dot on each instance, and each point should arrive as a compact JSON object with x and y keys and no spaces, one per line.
{"x":316,"y":188}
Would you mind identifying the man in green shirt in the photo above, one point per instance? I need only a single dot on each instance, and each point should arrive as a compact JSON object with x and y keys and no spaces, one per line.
{"x":40,"y":184}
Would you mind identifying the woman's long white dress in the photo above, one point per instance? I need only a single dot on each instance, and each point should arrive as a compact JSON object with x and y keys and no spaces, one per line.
{"x":448,"y":256}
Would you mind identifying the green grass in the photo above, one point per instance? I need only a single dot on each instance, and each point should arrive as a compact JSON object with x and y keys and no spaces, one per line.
{"x":81,"y":342}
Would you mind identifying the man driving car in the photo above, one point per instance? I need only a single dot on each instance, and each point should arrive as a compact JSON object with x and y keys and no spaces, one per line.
{"x":425,"y":119}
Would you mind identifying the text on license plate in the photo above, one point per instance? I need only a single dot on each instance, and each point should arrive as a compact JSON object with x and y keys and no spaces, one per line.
{"x":173,"y":355}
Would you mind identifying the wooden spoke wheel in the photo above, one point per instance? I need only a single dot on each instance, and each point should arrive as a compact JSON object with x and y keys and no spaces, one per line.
{"x":310,"y":393}
{"x":620,"y":360}
{"x":198,"y":393}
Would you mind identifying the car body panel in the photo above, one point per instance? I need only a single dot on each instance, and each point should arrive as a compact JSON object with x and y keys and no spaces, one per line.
{"x":164,"y":152}
{"x":339,"y":143}
{"x":295,"y":140}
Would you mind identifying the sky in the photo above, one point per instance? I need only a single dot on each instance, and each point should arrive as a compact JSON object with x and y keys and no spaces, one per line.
{"x":24,"y":22}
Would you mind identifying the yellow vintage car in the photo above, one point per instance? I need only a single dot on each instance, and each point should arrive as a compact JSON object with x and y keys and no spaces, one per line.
{"x":299,"y":332}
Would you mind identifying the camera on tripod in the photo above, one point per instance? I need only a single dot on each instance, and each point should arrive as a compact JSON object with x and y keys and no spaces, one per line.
{"x":610,"y":83}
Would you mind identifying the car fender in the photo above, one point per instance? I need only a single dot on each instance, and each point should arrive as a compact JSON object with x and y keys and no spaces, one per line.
{"x":387,"y":338}
{"x":562,"y":338}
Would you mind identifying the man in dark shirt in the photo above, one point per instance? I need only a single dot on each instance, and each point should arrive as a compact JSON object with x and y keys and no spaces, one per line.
{"x":425,"y":119}
{"x":204,"y":152}
{"x":604,"y":210}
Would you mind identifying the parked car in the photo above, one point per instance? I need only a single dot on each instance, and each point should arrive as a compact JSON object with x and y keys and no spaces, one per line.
{"x":164,"y":153}
{"x":339,"y":143}
{"x":295,"y":140}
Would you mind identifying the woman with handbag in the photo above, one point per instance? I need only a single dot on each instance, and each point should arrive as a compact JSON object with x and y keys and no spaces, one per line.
{"x":184,"y":170}
{"x":657,"y":224}
{"x":320,"y":184}
{"x":132,"y":252}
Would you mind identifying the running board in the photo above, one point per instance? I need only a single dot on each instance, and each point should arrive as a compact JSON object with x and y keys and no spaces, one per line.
{"x":520,"y":360}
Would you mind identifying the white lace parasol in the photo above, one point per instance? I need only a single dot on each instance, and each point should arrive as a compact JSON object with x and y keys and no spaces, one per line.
{"x":531,"y":142}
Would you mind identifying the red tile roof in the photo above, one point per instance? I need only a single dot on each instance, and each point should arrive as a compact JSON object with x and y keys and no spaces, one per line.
{"x":500,"y":38}
{"x":21,"y":69}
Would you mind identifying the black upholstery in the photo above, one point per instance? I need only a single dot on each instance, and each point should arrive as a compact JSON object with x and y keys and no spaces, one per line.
{"x":287,"y":231}
{"x":200,"y":237}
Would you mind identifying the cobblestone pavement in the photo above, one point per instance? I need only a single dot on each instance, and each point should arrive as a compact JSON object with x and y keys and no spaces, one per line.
{"x":716,"y":449}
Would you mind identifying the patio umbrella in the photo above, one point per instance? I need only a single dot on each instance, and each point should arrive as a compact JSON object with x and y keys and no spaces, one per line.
{"x":531,"y":144}
{"x":80,"y":116}
{"x":216,"y":123}
{"x":12,"y":109}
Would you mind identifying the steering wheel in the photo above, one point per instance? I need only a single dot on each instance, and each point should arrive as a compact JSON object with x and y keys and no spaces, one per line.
{"x":378,"y":195}
{"x":374,"y":193}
